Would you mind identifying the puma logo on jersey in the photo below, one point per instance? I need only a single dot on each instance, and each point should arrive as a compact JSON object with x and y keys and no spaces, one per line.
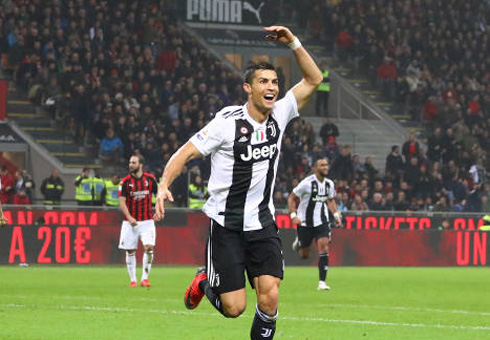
{"x":259,"y":153}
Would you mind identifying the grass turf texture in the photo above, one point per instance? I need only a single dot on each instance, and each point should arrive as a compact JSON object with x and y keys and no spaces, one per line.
{"x":365,"y":303}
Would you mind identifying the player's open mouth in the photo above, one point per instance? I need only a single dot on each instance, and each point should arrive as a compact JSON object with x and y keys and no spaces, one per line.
{"x":269,"y":97}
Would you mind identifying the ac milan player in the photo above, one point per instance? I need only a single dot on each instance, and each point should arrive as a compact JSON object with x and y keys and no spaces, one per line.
{"x":135,"y":199}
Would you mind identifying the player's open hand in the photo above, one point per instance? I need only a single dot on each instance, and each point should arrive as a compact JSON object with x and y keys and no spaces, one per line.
{"x":279,"y":33}
{"x":163,"y":195}
{"x":3,"y":221}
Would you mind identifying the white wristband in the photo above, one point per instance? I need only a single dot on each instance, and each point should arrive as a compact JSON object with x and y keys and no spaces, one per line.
{"x":293,"y":215}
{"x":295,"y":44}
{"x":337,"y":214}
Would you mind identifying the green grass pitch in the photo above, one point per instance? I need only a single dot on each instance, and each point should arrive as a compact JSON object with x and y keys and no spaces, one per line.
{"x":55,"y":303}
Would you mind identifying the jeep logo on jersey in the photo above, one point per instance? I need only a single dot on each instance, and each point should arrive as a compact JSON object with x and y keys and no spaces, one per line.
{"x":320,"y":198}
{"x":259,"y":153}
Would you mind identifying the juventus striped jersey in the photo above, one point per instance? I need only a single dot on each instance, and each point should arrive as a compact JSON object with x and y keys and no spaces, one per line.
{"x":138,"y":193}
{"x":313,"y":195}
{"x":244,"y":158}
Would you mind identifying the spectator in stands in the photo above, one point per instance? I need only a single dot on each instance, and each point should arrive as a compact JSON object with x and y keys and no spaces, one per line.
{"x":332,"y":150}
{"x":98,"y":185}
{"x":411,"y":148}
{"x":53,"y":188}
{"x":110,"y":195}
{"x":84,"y":189}
{"x":435,"y":145}
{"x":478,"y":172}
{"x":323,"y":92}
{"x":359,"y":168}
{"x":111,"y":148}
{"x":21,"y":198}
{"x":386,"y":77}
{"x":328,"y":129}
{"x":371,"y":171}
{"x":198,"y":193}
{"x":389,"y":203}
{"x":342,"y":167}
{"x":401,"y":203}
{"x":358,"y":204}
{"x":28,"y":184}
{"x":8,"y":185}
{"x":394,"y":165}
{"x":441,"y":205}
{"x":376,"y":203}
{"x":412,"y":172}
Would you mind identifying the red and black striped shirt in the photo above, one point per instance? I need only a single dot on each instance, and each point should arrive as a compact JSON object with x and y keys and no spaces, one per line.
{"x":138,"y":193}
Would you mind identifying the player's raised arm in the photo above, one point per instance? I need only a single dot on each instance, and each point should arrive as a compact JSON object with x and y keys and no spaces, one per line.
{"x":173,"y":168}
{"x":312,"y":76}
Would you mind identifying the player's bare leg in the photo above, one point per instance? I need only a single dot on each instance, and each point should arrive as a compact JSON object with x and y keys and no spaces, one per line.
{"x":147,"y":262}
{"x":266,"y":313}
{"x":131,"y":265}
{"x":304,"y":252}
{"x":323,"y":259}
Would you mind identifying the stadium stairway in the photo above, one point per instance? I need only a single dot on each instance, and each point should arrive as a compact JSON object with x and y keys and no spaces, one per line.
{"x":44,"y":131}
{"x":363,"y":82}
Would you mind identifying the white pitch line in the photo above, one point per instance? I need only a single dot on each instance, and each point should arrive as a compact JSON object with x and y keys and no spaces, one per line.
{"x":393,"y":308}
{"x":401,"y":308}
{"x":176,"y":312}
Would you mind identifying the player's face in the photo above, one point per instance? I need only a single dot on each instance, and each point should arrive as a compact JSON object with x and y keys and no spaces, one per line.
{"x":322,"y":167}
{"x":264,"y":90}
{"x":134,"y":165}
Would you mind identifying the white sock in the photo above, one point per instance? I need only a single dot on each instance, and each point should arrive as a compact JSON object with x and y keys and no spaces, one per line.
{"x":147,"y":261}
{"x":131,"y":264}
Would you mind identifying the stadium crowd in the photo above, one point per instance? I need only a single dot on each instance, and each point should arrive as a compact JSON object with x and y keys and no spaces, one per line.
{"x":143,"y":84}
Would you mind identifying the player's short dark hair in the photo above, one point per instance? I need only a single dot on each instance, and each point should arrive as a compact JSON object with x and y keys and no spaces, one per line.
{"x":261,"y":65}
{"x":141,"y":158}
{"x":315,"y":163}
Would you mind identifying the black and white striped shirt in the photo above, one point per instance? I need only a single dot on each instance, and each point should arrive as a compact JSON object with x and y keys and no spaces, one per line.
{"x":244,"y":159}
{"x":313,"y":195}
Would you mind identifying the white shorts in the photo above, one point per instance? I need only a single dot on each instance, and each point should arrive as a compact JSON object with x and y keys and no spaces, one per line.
{"x":144,"y":230}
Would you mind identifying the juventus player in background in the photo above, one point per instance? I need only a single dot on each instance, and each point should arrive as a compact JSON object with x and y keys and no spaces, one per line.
{"x":135,"y":192}
{"x":244,"y":143}
{"x":316,"y":195}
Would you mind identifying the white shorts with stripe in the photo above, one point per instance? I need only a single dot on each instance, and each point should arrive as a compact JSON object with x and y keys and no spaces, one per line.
{"x":144,"y":230}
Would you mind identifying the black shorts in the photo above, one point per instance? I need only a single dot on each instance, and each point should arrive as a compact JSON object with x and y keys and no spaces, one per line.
{"x":306,"y":234}
{"x":229,"y":253}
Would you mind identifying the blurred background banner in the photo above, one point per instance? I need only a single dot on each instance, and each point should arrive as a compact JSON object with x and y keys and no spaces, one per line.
{"x":91,"y":237}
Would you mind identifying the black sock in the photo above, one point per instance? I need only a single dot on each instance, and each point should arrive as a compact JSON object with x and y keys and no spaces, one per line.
{"x":323,"y":266}
{"x":211,"y":295}
{"x":264,"y":325}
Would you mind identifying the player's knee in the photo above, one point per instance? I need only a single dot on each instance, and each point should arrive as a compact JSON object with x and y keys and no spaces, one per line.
{"x":268,"y":304}
{"x":269,"y":300}
{"x":148,"y":248}
{"x":234,"y":310}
